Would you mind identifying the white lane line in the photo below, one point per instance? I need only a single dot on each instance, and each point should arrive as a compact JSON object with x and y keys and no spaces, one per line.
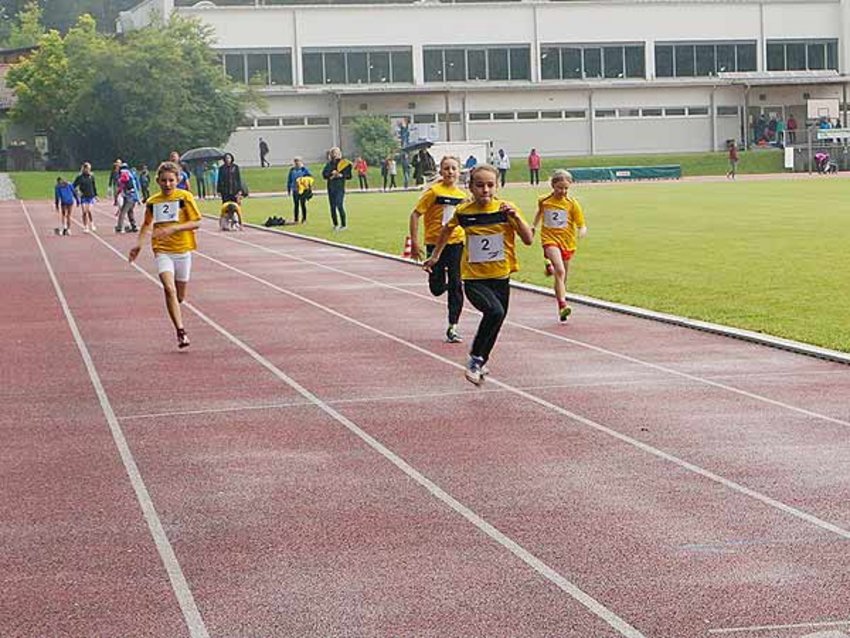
{"x":179,"y":585}
{"x":737,"y":487}
{"x":809,"y":625}
{"x":580,"y":344}
{"x":565,"y":585}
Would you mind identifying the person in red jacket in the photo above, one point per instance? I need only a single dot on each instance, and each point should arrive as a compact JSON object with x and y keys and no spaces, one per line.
{"x":534,"y":167}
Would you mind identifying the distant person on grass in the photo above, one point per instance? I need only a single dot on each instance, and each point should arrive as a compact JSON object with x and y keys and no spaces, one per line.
{"x":733,"y":160}
{"x":174,"y":217}
{"x":436,"y":206}
{"x":86,"y":189}
{"x":362,"y":167}
{"x":299,"y":185}
{"x":562,"y":225}
{"x":336,"y":172}
{"x":489,"y":257}
{"x":534,"y":167}
{"x":64,"y":198}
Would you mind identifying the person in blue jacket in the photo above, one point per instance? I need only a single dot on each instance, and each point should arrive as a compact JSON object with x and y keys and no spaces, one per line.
{"x":64,"y":195}
{"x":299,"y":199}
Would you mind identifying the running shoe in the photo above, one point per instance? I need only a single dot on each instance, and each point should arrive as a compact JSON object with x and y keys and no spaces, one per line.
{"x":93,"y":228}
{"x":182,"y":339}
{"x":548,"y":269}
{"x":564,"y":312}
{"x":452,"y":335}
{"x":473,"y":372}
{"x":66,"y":232}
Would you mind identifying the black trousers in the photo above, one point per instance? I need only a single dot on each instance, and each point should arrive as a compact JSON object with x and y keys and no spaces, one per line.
{"x":503,"y":172}
{"x":298,"y":201}
{"x":364,"y":184}
{"x":445,"y":277}
{"x":534,"y":175}
{"x":336,"y":199}
{"x":491,"y":297}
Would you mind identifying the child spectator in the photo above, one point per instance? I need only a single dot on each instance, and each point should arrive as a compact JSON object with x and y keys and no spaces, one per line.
{"x":230,"y":217}
{"x":299,"y":184}
{"x":86,"y":190}
{"x":563,"y":223}
{"x":64,"y":196}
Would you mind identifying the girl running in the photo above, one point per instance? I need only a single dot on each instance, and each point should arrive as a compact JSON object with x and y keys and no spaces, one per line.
{"x":174,"y":216}
{"x":437,"y":205}
{"x":563,"y":223}
{"x":489,"y":258}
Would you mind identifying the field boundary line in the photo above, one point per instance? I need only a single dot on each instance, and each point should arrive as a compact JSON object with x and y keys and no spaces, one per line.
{"x":741,"y":334}
{"x":179,"y":584}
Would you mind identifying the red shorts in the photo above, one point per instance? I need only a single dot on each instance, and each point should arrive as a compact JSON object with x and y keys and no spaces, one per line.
{"x":566,"y":255}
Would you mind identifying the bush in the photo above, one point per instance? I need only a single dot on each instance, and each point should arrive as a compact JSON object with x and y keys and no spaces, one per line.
{"x":374,"y":137}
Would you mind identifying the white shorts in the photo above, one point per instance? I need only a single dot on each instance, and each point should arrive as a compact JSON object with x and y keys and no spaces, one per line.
{"x":178,"y":264}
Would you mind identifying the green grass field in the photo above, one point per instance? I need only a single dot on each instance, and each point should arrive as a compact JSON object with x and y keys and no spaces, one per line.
{"x":769,"y":256}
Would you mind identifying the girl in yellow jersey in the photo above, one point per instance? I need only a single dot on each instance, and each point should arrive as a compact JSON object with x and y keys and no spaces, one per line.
{"x":563,"y":223}
{"x":437,"y":206}
{"x":489,"y":257}
{"x":174,"y":216}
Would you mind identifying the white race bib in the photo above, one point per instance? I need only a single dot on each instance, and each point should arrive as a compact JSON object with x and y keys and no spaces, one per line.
{"x":486,"y":248}
{"x":448,"y":213}
{"x":554,"y":218}
{"x":166,"y":212}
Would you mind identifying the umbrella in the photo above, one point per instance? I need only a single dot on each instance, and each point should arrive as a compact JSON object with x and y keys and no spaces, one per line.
{"x":418,"y":145}
{"x":204,"y":153}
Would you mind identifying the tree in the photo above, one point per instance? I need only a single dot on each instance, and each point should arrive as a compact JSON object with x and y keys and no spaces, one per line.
{"x":374,"y":137}
{"x":28,"y":29}
{"x":138,"y":97}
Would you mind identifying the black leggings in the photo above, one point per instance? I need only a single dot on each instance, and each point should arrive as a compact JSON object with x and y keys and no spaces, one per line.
{"x":491,"y":297}
{"x":534,"y":176}
{"x":336,"y":199}
{"x":298,"y":201}
{"x":445,"y":276}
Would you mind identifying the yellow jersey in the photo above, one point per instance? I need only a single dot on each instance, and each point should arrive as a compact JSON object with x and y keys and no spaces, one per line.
{"x":562,"y":217}
{"x":489,"y":251}
{"x":178,"y":208}
{"x":437,"y":205}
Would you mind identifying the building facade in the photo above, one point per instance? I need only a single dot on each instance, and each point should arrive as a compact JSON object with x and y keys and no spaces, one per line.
{"x":569,"y":77}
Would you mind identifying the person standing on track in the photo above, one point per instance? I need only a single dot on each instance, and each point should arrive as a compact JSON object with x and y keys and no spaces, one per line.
{"x":489,"y":257}
{"x":174,"y":217}
{"x":437,"y":205}
{"x":563,"y":223}
{"x":86,"y":189}
{"x":64,"y":196}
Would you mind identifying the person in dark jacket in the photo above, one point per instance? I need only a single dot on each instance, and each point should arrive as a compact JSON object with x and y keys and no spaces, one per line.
{"x":336,"y":171}
{"x":299,"y":195}
{"x":86,"y":189}
{"x":229,"y":184}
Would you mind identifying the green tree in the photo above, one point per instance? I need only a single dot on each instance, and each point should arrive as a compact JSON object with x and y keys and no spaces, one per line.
{"x":138,"y":97}
{"x":374,"y":137}
{"x":29,"y":27}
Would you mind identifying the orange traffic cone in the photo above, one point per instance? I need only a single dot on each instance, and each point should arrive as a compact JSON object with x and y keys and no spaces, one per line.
{"x":407,"y":253}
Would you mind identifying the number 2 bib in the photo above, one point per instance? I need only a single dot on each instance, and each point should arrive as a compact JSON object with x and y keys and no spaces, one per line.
{"x":166,"y":212}
{"x":486,"y":248}
{"x":554,"y":218}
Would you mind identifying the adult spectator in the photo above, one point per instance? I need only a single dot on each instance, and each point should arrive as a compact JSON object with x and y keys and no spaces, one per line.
{"x":264,"y":150}
{"x":534,"y":167}
{"x":503,"y":163}
{"x":335,"y":172}
{"x":470,"y":162}
{"x":229,"y":185}
{"x":423,"y":166}
{"x":404,"y":160}
{"x":792,"y":129}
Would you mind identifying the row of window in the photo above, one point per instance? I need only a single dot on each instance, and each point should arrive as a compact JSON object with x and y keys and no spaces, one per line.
{"x":506,"y":63}
{"x":503,"y":116}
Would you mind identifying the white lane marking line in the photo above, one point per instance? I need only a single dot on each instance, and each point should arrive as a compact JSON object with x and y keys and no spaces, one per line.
{"x":767,"y":500}
{"x":590,"y":603}
{"x":811,"y":625}
{"x":179,"y":585}
{"x":581,"y":344}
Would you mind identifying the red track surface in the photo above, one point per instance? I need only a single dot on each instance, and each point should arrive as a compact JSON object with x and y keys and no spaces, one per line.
{"x":315,"y":464}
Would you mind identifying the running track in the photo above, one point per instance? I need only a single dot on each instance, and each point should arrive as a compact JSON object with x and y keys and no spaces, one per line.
{"x":315,"y":464}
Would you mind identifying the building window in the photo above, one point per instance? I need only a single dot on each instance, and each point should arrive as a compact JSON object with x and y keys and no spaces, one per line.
{"x":674,"y":111}
{"x":551,"y":115}
{"x":727,"y":111}
{"x":358,"y":66}
{"x":591,"y":62}
{"x":479,"y":117}
{"x":652,"y":112}
{"x":527,"y":115}
{"x":575,"y":114}
{"x":260,"y":68}
{"x":318,"y":121}
{"x":459,"y":64}
{"x":628,"y":112}
{"x":697,"y":110}
{"x":503,"y":115}
{"x":802,"y":55}
{"x":700,"y":59}
{"x":599,"y":113}
{"x":267,"y":122}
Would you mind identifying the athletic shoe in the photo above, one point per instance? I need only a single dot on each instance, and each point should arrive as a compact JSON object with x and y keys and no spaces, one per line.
{"x":336,"y":229}
{"x":564,"y":312}
{"x":86,"y":229}
{"x":548,"y":269}
{"x":119,"y":230}
{"x":343,"y":227}
{"x":57,"y":231}
{"x":66,"y":232}
{"x":473,"y":372}
{"x":93,"y":228}
{"x":182,"y":339}
{"x":452,"y":335}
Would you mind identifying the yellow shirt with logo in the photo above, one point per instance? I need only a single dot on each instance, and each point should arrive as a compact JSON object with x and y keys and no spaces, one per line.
{"x":489,"y":251}
{"x":562,"y":217}
{"x":437,"y":205}
{"x":177,"y":208}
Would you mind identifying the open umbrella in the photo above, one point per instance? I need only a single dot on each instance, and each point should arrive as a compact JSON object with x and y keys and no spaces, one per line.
{"x":202,"y":154}
{"x":417,"y":145}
